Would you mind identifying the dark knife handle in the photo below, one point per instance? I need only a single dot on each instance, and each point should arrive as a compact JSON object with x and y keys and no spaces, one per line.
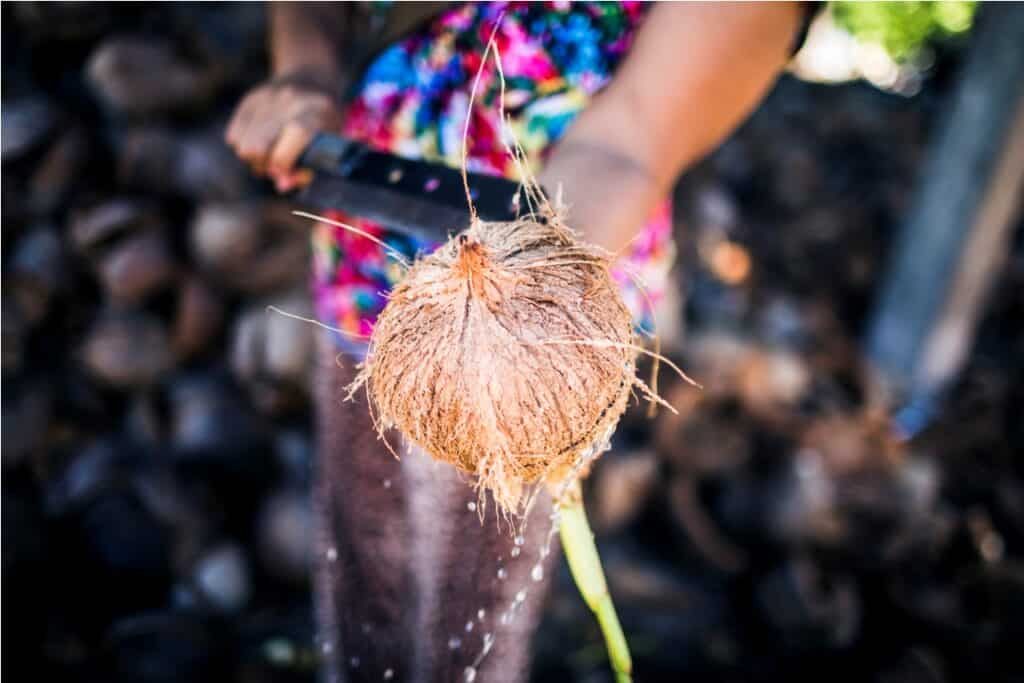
{"x":325,"y":153}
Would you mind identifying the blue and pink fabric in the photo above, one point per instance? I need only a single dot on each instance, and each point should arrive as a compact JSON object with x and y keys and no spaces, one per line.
{"x":413,"y":99}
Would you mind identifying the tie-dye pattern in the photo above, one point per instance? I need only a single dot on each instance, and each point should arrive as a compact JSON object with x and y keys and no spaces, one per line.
{"x":412,"y":101}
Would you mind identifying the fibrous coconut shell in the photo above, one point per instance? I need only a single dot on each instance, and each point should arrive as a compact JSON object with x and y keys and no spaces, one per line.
{"x":507,"y":352}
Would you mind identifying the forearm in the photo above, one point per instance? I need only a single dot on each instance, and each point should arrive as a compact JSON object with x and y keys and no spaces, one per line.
{"x":276,"y":120}
{"x":693,"y":74}
{"x":306,"y":38}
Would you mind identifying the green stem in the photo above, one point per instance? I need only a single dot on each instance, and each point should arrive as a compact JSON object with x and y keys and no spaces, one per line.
{"x":585,"y":565}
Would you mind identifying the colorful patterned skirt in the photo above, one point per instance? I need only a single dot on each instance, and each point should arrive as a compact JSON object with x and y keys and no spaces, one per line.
{"x":412,"y":101}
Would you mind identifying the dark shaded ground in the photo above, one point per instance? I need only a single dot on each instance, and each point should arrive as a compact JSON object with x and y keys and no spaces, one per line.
{"x":156,"y":437}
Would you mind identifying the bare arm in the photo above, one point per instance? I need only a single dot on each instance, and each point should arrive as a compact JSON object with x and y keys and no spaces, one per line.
{"x":276,"y":120}
{"x":694,"y":73}
{"x":306,"y":36}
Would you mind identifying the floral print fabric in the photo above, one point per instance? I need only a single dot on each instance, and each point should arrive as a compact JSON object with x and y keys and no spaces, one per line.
{"x":413,"y":100}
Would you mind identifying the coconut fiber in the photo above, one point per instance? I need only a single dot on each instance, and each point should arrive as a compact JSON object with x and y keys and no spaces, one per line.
{"x":507,"y":352}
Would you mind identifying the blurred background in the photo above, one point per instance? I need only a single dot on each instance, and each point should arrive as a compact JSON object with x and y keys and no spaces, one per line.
{"x":803,"y":515}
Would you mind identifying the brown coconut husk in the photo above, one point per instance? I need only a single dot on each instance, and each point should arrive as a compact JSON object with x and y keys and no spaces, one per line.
{"x":475,"y":357}
{"x":508,"y":352}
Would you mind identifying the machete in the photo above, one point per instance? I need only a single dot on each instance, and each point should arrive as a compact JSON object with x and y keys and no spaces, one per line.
{"x":426,"y":200}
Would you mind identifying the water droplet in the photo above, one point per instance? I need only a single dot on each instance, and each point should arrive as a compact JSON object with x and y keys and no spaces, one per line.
{"x":471,"y":506}
{"x":389,"y":674}
{"x":519,"y":540}
{"x":502,"y":574}
{"x":488,"y":642}
{"x":387,"y":485}
{"x":537,"y":574}
{"x":991,"y":546}
{"x":279,"y":651}
{"x":505,"y":618}
{"x":480,"y":614}
{"x":516,"y":551}
{"x":454,"y":643}
{"x":521,"y":595}
{"x":354,"y":662}
{"x":332,"y":554}
{"x":469,"y":626}
{"x":470,"y":674}
{"x":326,"y":648}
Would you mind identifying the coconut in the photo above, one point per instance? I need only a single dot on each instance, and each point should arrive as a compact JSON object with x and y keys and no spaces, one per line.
{"x":507,"y":352}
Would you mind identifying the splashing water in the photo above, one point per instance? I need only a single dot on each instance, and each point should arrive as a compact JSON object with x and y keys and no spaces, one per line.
{"x":537,"y":572}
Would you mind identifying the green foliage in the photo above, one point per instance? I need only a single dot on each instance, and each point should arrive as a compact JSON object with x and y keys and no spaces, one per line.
{"x":903,"y":28}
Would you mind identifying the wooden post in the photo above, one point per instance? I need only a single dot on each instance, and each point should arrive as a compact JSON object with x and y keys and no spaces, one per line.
{"x":954,"y":239}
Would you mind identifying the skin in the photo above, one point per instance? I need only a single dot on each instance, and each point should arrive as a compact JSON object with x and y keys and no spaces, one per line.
{"x":276,"y":120}
{"x":402,"y":567}
{"x":671,"y":102}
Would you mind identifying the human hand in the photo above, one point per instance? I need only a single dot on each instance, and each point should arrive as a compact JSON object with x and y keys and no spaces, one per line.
{"x":275,"y":122}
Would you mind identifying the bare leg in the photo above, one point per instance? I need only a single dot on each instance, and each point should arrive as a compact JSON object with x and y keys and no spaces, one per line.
{"x":414,"y":566}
